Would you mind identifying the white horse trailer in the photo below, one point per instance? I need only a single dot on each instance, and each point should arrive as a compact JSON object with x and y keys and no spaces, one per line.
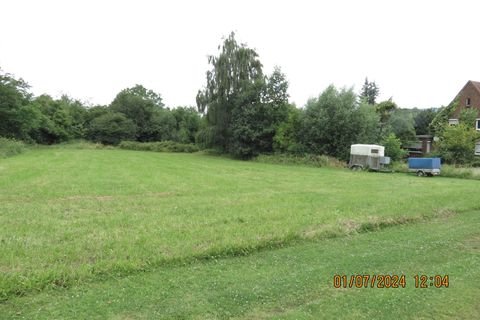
{"x":367,"y":156}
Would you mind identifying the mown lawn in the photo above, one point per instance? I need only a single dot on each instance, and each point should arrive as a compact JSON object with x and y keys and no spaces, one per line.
{"x":70,"y":218}
{"x":295,"y":282}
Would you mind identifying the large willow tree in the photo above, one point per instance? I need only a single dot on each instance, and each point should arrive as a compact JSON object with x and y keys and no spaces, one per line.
{"x":235,"y":80}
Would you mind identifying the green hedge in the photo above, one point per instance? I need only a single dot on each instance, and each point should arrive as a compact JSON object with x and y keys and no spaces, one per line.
{"x":10,"y":147}
{"x":162,"y":146}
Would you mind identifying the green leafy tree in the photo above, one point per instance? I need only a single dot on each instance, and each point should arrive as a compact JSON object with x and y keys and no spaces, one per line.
{"x":402,"y":124}
{"x":369,"y":92}
{"x":236,"y":72}
{"x":422,"y":121}
{"x":138,"y":104}
{"x":385,"y":110}
{"x":187,"y":123}
{"x":61,"y":119}
{"x":286,"y":137}
{"x":163,"y":126}
{"x":257,"y":118}
{"x":15,"y":115}
{"x":457,"y":143}
{"x":393,"y":147}
{"x":111,"y":128}
{"x":251,"y":129}
{"x":331,"y":124}
{"x":367,"y":121}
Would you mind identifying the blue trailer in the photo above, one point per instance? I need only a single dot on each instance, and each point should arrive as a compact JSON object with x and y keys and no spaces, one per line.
{"x":424,"y":166}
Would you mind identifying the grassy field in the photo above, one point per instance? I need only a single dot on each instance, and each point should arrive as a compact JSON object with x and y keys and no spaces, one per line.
{"x":131,"y":234}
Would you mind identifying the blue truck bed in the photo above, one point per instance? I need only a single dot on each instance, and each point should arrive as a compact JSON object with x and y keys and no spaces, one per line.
{"x":424,"y":166}
{"x":424,"y":163}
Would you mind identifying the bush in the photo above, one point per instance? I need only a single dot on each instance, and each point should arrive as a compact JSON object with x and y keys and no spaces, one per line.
{"x":457,"y":144}
{"x":393,"y":147}
{"x":10,"y":147}
{"x":308,"y":160}
{"x":111,"y":128}
{"x":162,"y":146}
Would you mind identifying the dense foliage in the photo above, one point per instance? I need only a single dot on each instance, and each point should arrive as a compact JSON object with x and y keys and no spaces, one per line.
{"x":135,"y":114}
{"x":240,"y":111}
{"x":243,"y":108}
{"x":333,"y":121}
{"x":457,"y":144}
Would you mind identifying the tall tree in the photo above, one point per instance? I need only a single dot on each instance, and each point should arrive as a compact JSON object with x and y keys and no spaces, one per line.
{"x":236,"y":72}
{"x":187,"y":123}
{"x":423,"y":119}
{"x":333,"y":121}
{"x":402,"y":124}
{"x":369,"y":92}
{"x":138,"y":104}
{"x":255,"y":121}
{"x":14,"y":98}
{"x":385,"y":110}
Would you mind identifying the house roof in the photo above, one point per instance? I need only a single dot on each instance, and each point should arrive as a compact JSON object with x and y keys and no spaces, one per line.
{"x":476,"y":84}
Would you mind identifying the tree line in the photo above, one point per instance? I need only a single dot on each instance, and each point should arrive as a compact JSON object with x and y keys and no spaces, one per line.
{"x":135,"y":114}
{"x":240,"y":111}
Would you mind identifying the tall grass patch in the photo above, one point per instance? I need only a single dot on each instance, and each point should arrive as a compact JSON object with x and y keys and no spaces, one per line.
{"x":10,"y":147}
{"x":447,"y":170}
{"x":310,"y":160}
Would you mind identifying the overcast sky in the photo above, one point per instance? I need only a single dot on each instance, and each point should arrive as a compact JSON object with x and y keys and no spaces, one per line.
{"x":421,"y":53}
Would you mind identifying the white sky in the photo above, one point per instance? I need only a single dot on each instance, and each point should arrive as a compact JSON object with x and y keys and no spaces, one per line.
{"x":419,"y":52}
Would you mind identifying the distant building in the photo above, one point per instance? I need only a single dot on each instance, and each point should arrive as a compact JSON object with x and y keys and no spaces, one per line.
{"x":421,"y":147}
{"x":468,"y":98}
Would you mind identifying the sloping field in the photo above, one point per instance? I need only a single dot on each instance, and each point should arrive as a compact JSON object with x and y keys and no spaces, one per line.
{"x":70,"y":217}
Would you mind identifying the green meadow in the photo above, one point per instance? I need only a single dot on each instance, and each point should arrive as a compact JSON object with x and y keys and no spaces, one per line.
{"x":120,"y":234}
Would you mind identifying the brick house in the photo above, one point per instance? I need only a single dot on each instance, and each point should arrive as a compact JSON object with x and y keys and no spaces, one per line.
{"x":468,"y":98}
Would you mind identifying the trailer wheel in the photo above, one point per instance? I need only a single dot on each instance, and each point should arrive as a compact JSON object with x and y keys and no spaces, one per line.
{"x":356,"y":168}
{"x":420,"y":173}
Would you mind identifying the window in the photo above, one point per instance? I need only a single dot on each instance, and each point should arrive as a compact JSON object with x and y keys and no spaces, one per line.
{"x":467,"y":102}
{"x":453,"y":122}
{"x":374,"y":151}
{"x":477,"y":124}
{"x":477,"y":149}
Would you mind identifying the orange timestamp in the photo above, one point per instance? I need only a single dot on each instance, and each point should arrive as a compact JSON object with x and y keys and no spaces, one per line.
{"x":389,"y":281}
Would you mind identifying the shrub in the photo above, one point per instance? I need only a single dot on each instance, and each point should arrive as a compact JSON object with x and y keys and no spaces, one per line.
{"x":10,"y":147}
{"x":393,"y":147}
{"x":457,"y":144}
{"x":111,"y":128}
{"x":162,"y":146}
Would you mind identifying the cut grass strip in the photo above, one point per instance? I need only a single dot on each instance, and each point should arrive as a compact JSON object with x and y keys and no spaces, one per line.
{"x":292,"y":283}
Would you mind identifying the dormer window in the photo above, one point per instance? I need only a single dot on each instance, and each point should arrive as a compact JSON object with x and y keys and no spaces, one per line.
{"x":453,"y":122}
{"x":467,"y":102}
